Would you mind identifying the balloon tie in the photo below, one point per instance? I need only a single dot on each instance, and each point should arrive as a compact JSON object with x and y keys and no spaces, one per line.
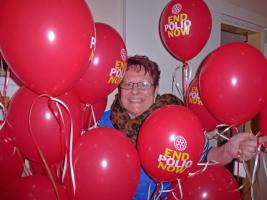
{"x":39,"y":149}
{"x":185,"y":82}
{"x":175,"y":82}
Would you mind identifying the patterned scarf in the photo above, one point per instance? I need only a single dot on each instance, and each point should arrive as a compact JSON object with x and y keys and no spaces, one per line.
{"x":122,"y":121}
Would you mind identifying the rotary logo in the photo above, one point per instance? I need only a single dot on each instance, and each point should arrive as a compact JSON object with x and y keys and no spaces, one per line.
{"x":180,"y":143}
{"x":176,"y":8}
{"x":123,"y":54}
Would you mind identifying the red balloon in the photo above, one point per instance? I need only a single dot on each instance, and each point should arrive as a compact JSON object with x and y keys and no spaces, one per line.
{"x":233,"y":82}
{"x":50,"y":133}
{"x":106,"y":165}
{"x":33,"y":187}
{"x":195,"y":104}
{"x":11,"y":164}
{"x":185,"y":27}
{"x":107,"y":68}
{"x":216,"y":182}
{"x":87,"y":112}
{"x":49,"y":44}
{"x":170,"y":143}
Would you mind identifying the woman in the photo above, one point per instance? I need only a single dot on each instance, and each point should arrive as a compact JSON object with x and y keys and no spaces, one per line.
{"x":138,"y":98}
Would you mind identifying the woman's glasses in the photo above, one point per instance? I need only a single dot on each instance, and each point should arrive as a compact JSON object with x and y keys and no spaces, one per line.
{"x":143,"y":85}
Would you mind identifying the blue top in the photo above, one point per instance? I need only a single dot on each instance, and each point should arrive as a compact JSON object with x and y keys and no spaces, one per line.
{"x":145,"y":181}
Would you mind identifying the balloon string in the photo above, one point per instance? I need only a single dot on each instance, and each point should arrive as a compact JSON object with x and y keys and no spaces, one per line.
{"x":26,"y":169}
{"x":4,"y":115}
{"x":264,"y":166}
{"x":2,"y":68}
{"x":185,"y":81}
{"x":206,"y":164}
{"x":215,"y":134}
{"x":92,"y":116}
{"x":256,"y":164}
{"x":70,"y":148}
{"x":6,"y":82}
{"x":149,"y":191}
{"x":154,"y":195}
{"x":57,"y":112}
{"x":175,"y":82}
{"x":38,"y":148}
{"x":179,"y":186}
{"x":159,"y":191}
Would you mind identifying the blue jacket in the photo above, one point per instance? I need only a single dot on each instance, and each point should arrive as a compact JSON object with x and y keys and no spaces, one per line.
{"x":145,"y":180}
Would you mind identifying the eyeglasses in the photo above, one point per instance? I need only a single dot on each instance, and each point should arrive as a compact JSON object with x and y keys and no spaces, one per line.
{"x":143,"y":85}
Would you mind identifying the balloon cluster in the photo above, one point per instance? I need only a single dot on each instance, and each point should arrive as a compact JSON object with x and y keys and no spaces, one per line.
{"x":229,"y":90}
{"x":67,"y":66}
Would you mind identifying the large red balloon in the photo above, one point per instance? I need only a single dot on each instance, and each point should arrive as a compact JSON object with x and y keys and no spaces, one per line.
{"x":87,"y":112}
{"x":106,"y":165}
{"x":48,"y":44}
{"x":216,"y":182}
{"x":195,"y":104}
{"x":170,"y":143}
{"x":185,"y":27}
{"x":32,"y":188}
{"x":107,"y":68}
{"x":11,"y":163}
{"x":233,"y":82}
{"x":50,"y":133}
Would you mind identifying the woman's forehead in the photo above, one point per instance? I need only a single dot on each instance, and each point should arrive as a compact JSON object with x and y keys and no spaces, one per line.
{"x":133,"y":73}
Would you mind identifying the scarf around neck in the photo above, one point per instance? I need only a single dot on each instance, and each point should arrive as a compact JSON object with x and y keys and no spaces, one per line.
{"x":122,"y":121}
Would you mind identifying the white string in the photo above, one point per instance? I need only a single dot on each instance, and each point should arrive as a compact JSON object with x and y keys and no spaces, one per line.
{"x":149,"y":191}
{"x":94,"y":118}
{"x":70,"y":148}
{"x":176,"y":84}
{"x":255,"y":170}
{"x":264,"y":165}
{"x":160,"y":191}
{"x":205,"y":164}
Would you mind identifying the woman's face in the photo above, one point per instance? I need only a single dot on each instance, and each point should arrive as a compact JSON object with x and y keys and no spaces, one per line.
{"x":137,"y":100}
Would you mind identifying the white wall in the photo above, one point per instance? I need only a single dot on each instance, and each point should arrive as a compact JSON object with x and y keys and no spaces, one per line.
{"x":110,"y":12}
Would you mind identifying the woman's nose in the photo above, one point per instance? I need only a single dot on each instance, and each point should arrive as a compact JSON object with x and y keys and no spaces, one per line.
{"x":135,"y":89}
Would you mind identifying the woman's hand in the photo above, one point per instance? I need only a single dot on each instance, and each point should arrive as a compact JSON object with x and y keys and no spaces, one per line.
{"x":243,"y":145}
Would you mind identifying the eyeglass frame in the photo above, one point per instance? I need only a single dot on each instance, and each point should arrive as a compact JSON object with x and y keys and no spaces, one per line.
{"x":138,"y":85}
